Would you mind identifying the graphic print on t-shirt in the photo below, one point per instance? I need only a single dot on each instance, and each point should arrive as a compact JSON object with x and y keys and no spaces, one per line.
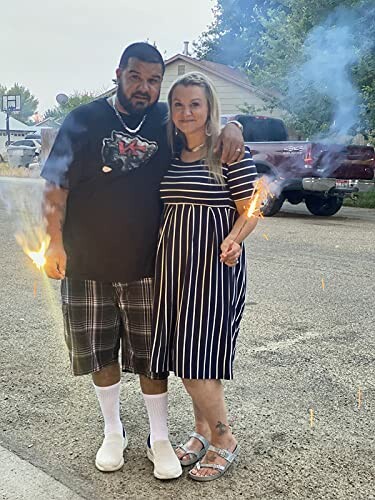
{"x":125,"y":152}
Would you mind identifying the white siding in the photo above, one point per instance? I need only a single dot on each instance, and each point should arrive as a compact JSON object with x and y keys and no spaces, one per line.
{"x":231,"y":96}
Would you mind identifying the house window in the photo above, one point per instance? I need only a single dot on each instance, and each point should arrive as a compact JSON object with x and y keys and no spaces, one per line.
{"x":181,"y":69}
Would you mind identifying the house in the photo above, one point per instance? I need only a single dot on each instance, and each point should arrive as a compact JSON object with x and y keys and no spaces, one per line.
{"x":18,"y":130}
{"x":48,"y":123}
{"x":232,"y":85}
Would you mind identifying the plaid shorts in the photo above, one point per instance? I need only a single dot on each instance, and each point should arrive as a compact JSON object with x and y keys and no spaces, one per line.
{"x":102,"y":318}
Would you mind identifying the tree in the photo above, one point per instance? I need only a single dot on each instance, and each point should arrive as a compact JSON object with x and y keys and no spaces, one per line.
{"x":232,"y":38}
{"x":3,"y":90}
{"x":74,"y":100}
{"x":29,"y":103}
{"x":297,"y":47}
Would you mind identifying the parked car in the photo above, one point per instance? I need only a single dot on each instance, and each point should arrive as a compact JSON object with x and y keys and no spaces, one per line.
{"x":35,"y":135}
{"x":319,"y":174}
{"x":24,"y":152}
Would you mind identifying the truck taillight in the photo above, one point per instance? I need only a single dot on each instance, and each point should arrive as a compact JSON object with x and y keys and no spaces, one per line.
{"x":308,"y":156}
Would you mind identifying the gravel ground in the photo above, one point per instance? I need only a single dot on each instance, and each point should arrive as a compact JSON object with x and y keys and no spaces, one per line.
{"x":302,"y":347}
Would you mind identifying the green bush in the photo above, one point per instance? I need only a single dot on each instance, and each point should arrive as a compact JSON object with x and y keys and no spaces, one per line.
{"x":364,"y":200}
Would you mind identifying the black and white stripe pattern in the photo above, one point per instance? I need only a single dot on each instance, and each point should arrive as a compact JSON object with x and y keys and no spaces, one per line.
{"x":198,"y":300}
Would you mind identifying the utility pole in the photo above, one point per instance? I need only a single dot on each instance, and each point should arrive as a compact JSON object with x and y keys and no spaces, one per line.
{"x":8,"y":129}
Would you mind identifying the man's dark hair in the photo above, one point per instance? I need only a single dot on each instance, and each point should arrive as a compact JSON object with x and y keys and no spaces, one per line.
{"x":142,"y":51}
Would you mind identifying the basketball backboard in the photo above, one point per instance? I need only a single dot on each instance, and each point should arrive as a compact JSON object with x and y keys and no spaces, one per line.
{"x":11,"y":103}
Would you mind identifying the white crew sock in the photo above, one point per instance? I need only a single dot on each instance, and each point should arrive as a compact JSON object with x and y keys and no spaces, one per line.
{"x":157,"y":409}
{"x":109,"y":400}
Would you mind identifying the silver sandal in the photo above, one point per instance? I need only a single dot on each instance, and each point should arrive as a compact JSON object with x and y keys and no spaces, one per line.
{"x":230,"y":457}
{"x":197,"y":455}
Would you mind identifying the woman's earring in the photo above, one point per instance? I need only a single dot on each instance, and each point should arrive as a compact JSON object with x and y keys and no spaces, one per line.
{"x":208,"y":129}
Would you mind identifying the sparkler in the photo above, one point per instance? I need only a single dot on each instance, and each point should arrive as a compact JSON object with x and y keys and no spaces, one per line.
{"x":311,"y":418}
{"x":38,"y":257}
{"x":261,"y":193}
{"x":359,"y":398}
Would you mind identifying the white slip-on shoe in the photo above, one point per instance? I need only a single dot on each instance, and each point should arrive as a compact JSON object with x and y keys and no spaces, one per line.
{"x":165,"y":460}
{"x":110,"y":456}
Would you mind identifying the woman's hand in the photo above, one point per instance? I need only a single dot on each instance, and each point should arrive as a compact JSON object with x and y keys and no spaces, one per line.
{"x":230,"y":252}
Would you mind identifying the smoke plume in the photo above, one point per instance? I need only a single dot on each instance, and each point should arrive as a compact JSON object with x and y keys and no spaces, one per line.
{"x":329,"y":54}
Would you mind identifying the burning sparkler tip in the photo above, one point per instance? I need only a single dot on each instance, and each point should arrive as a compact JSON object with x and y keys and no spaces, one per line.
{"x":311,"y":418}
{"x":359,"y":398}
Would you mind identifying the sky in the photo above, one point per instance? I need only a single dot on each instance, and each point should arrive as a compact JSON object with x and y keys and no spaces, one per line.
{"x":62,"y":46}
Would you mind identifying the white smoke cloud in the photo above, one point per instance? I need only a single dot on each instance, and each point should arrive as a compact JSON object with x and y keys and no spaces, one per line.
{"x":329,"y":53}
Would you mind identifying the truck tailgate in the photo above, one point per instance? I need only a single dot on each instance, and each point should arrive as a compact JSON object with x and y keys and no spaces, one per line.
{"x":344,"y":162}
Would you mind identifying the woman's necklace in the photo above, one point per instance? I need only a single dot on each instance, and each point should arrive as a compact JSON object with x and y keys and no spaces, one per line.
{"x":128,"y":129}
{"x":196,"y":148}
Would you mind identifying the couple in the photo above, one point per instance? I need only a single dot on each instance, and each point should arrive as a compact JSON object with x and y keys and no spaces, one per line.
{"x":122,"y":184}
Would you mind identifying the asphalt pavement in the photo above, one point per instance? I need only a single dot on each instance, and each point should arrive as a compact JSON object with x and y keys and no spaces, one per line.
{"x":302,"y":403}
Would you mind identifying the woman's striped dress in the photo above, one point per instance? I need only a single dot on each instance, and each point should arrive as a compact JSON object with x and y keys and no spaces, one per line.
{"x":198,"y":300}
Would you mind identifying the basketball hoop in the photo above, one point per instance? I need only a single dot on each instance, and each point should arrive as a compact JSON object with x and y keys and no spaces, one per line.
{"x":11,"y":103}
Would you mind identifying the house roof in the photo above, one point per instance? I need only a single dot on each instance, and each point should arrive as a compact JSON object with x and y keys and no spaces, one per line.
{"x":14,"y":124}
{"x":232,"y":75}
{"x":48,"y":122}
{"x":221,"y":70}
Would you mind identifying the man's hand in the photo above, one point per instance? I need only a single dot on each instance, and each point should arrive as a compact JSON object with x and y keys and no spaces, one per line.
{"x":230,"y":252}
{"x":55,"y":261}
{"x":231,"y":144}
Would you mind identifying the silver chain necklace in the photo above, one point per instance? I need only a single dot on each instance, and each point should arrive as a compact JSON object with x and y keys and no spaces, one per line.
{"x":128,"y":129}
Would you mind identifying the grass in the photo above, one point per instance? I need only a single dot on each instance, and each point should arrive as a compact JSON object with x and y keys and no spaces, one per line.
{"x":6,"y":171}
{"x":364,"y":200}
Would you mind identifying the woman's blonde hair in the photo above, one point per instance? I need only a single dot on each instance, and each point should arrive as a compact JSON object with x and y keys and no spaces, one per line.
{"x":212,"y":125}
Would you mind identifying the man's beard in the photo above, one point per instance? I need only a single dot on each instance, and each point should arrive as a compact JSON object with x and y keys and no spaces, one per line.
{"x":129,"y":106}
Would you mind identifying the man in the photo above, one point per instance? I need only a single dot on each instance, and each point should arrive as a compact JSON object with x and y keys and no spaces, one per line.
{"x":102,"y":208}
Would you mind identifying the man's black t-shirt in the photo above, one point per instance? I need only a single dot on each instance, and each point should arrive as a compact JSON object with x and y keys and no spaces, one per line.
{"x":113,"y":177}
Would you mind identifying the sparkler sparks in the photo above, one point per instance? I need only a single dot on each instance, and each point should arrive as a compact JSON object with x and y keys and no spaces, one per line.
{"x":359,"y":398}
{"x":38,"y":257}
{"x":265,"y":236}
{"x":323,"y":284}
{"x":261,"y":193}
{"x":311,"y":418}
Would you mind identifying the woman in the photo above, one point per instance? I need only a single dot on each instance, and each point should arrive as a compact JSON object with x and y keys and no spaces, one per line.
{"x":201,"y":271}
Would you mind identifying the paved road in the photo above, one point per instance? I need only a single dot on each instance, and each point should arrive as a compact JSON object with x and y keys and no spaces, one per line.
{"x":300,"y":348}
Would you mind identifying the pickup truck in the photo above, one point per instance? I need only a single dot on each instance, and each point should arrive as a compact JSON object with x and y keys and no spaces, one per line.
{"x":320,"y":174}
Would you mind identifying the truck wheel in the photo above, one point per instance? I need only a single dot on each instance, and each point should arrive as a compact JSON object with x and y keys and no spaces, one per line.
{"x":272,"y":205}
{"x":323,"y":207}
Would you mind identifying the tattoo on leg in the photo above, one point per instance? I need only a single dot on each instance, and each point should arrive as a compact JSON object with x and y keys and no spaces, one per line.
{"x":221,"y":428}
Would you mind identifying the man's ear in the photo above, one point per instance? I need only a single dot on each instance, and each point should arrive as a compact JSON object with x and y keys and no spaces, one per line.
{"x":118,"y":74}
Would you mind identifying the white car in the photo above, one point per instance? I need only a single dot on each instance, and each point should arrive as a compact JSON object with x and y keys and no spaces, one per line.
{"x":22,"y":153}
{"x":28,"y":143}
